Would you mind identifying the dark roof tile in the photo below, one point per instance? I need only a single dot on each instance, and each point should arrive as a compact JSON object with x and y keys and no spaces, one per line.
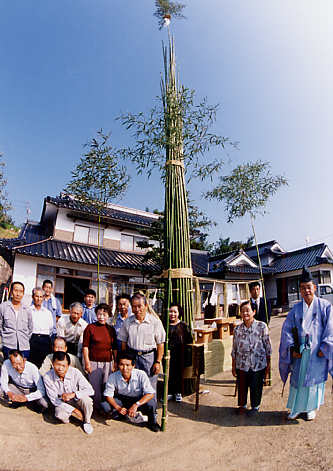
{"x":114,"y":214}
{"x":291,"y":261}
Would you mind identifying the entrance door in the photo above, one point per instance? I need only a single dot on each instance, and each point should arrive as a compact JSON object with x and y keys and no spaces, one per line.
{"x":282,"y":291}
{"x":75,"y":289}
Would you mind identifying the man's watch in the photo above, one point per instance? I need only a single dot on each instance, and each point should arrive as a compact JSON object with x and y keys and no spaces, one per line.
{"x":138,"y":403}
{"x":157,"y":361}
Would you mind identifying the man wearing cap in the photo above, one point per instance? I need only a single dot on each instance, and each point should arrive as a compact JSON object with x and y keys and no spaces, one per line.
{"x":306,"y":350}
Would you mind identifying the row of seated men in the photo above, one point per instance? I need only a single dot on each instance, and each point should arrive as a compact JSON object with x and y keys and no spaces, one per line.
{"x":118,"y":392}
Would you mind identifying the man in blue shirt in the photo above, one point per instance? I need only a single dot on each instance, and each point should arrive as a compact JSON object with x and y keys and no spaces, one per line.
{"x":128,"y":391}
{"x":52,"y":304}
{"x":122,"y":312}
{"x":89,"y":305}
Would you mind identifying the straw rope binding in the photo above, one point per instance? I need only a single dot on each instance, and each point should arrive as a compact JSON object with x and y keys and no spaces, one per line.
{"x":178,"y":273}
{"x":175,"y":162}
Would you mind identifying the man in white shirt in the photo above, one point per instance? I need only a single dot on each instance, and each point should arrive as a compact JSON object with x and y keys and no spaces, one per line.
{"x":40,"y":341}
{"x":71,"y":329}
{"x":21,"y":382}
{"x":143,"y":334}
{"x":60,"y":345}
{"x":69,"y":392}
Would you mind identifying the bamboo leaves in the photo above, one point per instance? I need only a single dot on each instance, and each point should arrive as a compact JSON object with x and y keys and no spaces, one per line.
{"x":247,"y":189}
{"x":99,"y":178}
{"x":165,"y":8}
{"x":153,"y":136}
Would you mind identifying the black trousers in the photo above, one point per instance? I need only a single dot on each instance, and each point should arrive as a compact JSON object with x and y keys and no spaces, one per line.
{"x":146,"y":409}
{"x":40,"y":347}
{"x":72,"y":348}
{"x":252,"y":380}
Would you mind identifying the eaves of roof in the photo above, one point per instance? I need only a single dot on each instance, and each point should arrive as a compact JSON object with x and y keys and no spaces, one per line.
{"x":85,"y":211}
{"x":291,"y":261}
{"x":35,"y":244}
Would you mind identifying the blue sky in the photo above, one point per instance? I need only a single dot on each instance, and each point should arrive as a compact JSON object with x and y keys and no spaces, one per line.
{"x":69,"y":68}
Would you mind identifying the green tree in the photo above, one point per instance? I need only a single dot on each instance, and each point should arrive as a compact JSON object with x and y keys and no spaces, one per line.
{"x":6,"y":221}
{"x":98,"y":179}
{"x":247,"y":191}
{"x":225,"y":245}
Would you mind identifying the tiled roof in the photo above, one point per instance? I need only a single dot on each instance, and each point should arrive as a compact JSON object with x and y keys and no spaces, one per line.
{"x":33,"y":242}
{"x":291,"y":261}
{"x":200,"y":262}
{"x":216,"y":268}
{"x":263,"y":248}
{"x":115,"y":214}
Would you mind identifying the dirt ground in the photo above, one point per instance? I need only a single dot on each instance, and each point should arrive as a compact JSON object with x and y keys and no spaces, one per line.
{"x":212,"y":439}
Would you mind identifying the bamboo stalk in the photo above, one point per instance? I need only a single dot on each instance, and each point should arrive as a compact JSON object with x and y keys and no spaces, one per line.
{"x":261,"y":274}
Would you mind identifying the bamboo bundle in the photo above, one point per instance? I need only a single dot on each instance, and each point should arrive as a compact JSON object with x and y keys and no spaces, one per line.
{"x":217,"y":357}
{"x":177,"y":256}
{"x":177,"y":234}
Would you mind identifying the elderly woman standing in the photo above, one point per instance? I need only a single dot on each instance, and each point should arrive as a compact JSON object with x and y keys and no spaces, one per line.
{"x":99,"y":351}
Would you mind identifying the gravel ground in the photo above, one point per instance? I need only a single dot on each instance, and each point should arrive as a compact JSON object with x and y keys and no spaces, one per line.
{"x":212,"y":439}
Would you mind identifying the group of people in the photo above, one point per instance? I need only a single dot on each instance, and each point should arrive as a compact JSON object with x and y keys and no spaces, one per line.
{"x":111,"y":364}
{"x":306,"y":350}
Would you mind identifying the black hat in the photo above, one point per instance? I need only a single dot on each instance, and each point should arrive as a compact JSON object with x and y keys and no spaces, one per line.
{"x":306,"y":276}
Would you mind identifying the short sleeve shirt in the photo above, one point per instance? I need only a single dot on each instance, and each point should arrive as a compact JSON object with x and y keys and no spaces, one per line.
{"x":138,"y":385}
{"x":251,"y":346}
{"x":142,"y":336}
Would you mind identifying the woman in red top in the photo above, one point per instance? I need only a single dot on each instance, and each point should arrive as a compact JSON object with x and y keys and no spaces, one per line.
{"x":99,"y":351}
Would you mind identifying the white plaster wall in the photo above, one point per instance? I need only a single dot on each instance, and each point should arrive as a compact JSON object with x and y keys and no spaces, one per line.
{"x":64,"y":223}
{"x":25,"y":270}
{"x":270,"y":287}
{"x":112,"y":233}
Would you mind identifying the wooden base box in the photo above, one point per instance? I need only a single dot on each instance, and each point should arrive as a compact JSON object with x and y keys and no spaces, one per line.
{"x":204,"y":334}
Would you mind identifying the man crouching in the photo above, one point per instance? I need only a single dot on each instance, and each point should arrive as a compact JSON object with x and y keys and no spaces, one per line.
{"x":69,"y":391}
{"x":133,"y":391}
{"x":21,"y":382}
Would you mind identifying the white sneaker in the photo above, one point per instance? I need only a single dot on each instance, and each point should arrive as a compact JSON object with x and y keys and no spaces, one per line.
{"x":311,"y":415}
{"x":138,"y":419}
{"x":88,"y":428}
{"x":170,"y":396}
{"x":178,"y":397}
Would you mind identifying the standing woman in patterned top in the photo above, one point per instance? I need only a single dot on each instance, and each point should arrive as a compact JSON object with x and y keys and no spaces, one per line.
{"x":179,"y":336}
{"x":99,"y":351}
{"x":251,"y":352}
